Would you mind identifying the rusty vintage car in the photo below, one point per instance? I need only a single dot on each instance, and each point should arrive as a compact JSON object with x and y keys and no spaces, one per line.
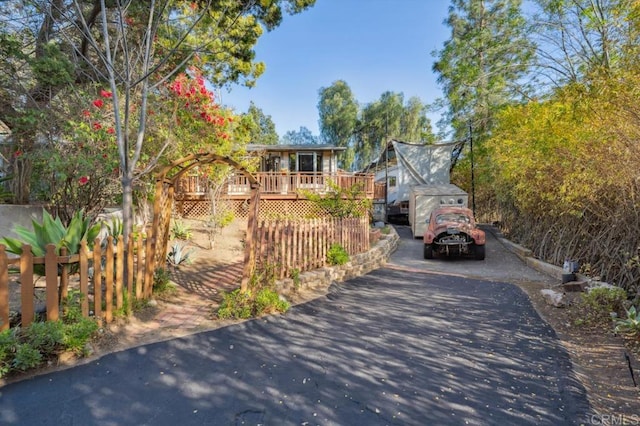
{"x":452,"y":231}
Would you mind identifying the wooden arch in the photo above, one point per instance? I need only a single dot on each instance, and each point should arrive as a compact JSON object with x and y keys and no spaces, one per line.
{"x":163,"y":205}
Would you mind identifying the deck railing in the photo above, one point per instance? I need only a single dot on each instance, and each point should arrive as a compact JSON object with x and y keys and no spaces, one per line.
{"x":282,"y":183}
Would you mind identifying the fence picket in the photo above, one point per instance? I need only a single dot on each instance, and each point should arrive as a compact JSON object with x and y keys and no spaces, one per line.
{"x":26,"y":286}
{"x":84,"y":278}
{"x":119,"y":272}
{"x":108,"y":281}
{"x":97,"y":279}
{"x":51,"y":279}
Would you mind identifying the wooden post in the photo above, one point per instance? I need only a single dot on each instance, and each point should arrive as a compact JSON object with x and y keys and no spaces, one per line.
{"x":119,"y":272}
{"x":97,"y":280}
{"x":26,"y":285}
{"x":51,"y":278}
{"x":64,"y":277}
{"x":108,"y":281}
{"x":4,"y":289}
{"x":140,"y":270}
{"x":84,"y":278}
{"x":249,"y":253}
{"x":130,"y":273}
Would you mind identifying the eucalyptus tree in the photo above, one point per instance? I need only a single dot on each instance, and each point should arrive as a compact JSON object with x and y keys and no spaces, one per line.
{"x":389,"y":117}
{"x":338,"y":112}
{"x":54,"y":48}
{"x":482,"y":64}
{"x":302,"y":136}
{"x":262,"y":129}
{"x":577,"y":38}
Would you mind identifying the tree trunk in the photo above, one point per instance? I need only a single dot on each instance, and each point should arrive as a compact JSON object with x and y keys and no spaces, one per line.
{"x":21,"y":183}
{"x":127,"y":204}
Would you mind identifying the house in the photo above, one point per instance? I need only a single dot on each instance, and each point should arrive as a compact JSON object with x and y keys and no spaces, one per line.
{"x":284,"y":172}
{"x":402,"y":165}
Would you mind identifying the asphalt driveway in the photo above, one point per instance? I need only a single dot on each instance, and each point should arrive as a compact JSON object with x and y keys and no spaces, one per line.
{"x":393,"y":347}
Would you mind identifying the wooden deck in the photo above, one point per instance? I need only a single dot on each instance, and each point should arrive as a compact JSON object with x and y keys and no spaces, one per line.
{"x":277,"y":186}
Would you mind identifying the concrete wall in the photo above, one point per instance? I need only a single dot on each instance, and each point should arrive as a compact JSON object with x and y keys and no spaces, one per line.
{"x":13,"y":215}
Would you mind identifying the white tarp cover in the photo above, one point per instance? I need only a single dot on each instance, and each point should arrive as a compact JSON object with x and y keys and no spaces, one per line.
{"x":421,"y":165}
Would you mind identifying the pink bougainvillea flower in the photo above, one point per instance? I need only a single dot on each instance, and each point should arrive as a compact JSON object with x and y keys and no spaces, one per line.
{"x":86,"y":113}
{"x":97,"y":126}
{"x":106,"y":94}
{"x":83,"y":180}
{"x":98,"y":103}
{"x":17,"y":154}
{"x":111,"y":130}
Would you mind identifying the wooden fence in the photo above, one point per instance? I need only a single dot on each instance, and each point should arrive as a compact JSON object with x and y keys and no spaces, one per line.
{"x":105,"y":278}
{"x":302,"y":245}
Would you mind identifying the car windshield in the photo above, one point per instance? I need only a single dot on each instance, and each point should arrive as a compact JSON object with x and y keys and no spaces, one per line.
{"x":452,"y":217}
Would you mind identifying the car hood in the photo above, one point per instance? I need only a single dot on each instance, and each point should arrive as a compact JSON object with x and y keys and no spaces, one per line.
{"x":462,"y":227}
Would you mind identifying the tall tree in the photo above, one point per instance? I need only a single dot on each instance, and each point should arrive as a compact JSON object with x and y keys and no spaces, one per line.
{"x":578,"y":37}
{"x":481,"y":65}
{"x":262,"y":129}
{"x":303,"y":136}
{"x":390,"y":118}
{"x":131,"y":49}
{"x":338,"y":112}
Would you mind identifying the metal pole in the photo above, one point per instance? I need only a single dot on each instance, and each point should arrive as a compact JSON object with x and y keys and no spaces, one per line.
{"x":473,"y":180}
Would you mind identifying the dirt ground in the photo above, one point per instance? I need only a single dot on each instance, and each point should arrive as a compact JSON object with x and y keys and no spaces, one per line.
{"x":596,"y":353}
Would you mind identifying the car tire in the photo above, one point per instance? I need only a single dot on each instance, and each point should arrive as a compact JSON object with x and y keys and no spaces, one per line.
{"x":428,"y":251}
{"x":478,"y":251}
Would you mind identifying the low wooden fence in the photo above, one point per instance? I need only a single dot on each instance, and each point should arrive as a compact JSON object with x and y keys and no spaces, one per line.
{"x":105,"y":278}
{"x":302,"y":245}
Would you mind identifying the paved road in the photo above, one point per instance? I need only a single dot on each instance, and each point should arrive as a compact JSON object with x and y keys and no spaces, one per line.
{"x":397,"y":347}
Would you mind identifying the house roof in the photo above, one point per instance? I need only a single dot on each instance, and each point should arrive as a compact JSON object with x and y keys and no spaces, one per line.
{"x":302,"y":147}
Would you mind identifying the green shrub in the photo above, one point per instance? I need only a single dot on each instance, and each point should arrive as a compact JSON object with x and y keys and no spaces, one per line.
{"x":631,"y":324}
{"x":180,"y":231}
{"x":26,"y":357}
{"x":337,"y":255}
{"x":269,"y":302}
{"x":162,"y":285}
{"x":236,"y":305}
{"x":77,"y":334}
{"x":295,"y":276}
{"x":240,"y":305}
{"x":8,"y":345}
{"x":45,"y":337}
{"x":599,"y":303}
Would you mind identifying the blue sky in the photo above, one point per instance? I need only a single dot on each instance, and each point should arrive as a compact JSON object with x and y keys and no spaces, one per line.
{"x":373,"y":45}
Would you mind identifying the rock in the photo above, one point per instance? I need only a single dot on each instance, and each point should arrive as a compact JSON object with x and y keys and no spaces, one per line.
{"x":554,"y":298}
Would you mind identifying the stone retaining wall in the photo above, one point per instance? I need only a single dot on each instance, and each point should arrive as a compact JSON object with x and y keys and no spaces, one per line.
{"x":360,"y":264}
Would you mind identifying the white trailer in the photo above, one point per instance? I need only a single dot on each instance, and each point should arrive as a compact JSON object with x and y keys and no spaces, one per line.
{"x":423,"y":199}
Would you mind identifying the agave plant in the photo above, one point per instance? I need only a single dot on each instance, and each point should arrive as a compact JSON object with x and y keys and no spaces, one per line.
{"x":52,"y":231}
{"x":179,"y":255}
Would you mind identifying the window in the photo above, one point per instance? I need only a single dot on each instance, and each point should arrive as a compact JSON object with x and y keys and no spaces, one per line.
{"x":308,"y":162}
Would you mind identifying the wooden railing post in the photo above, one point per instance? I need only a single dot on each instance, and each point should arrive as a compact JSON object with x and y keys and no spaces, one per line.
{"x":119,"y":272}
{"x":64,"y":277}
{"x":51,"y":279}
{"x":97,"y":280}
{"x":84,"y":278}
{"x":108,"y":281}
{"x":26,"y":285}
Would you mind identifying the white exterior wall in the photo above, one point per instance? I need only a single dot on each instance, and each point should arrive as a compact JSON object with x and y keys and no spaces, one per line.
{"x":426,"y":198}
